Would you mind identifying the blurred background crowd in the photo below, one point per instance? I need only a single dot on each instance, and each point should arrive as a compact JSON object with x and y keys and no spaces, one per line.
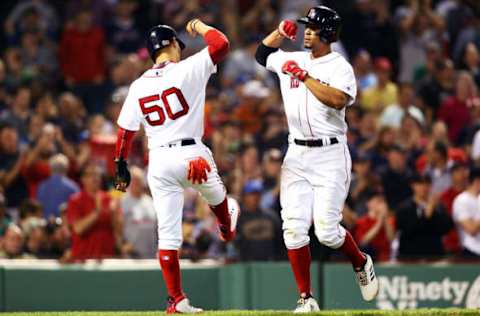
{"x":414,"y":135}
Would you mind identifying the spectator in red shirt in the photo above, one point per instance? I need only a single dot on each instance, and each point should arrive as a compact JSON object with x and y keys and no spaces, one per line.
{"x":93,"y":217}
{"x":82,"y":59}
{"x":455,"y":111}
{"x":374,"y":231}
{"x":82,"y":51}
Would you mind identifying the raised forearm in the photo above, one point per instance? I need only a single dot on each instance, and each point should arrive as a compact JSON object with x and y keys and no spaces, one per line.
{"x":273,"y":39}
{"x":217,"y":42}
{"x":329,"y":96}
{"x":389,"y":230}
{"x":370,"y":234}
{"x":471,"y":226}
{"x":84,"y":224}
{"x":124,"y":143}
{"x":9,"y":176}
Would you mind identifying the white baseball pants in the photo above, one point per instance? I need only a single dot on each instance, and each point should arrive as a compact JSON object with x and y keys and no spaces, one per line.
{"x":167,"y":179}
{"x":314,"y":186}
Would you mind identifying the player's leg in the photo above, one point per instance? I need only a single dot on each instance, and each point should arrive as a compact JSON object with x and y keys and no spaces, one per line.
{"x":168,"y":202}
{"x":330,"y":191}
{"x":296,"y":199}
{"x":226,"y":209}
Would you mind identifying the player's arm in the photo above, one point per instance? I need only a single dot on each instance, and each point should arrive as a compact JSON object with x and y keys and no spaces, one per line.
{"x":128,"y":122}
{"x":271,"y":43}
{"x":329,"y":96}
{"x":470,"y":226}
{"x":217,"y":42}
{"x":122,"y":149}
{"x":462,"y":219}
{"x":80,"y":224}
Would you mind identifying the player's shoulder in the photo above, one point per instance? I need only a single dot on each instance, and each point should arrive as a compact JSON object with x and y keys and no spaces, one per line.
{"x":203,"y":53}
{"x":462,"y":197}
{"x":298,"y":55}
{"x":340,"y":60}
{"x":137,"y":82}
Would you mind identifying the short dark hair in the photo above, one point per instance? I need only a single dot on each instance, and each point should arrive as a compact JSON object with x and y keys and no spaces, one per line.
{"x":474,"y":174}
{"x":420,"y":178}
{"x":29,"y":206}
{"x":441,"y":148}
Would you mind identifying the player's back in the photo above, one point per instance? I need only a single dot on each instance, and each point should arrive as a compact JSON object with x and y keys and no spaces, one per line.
{"x":169,"y":100}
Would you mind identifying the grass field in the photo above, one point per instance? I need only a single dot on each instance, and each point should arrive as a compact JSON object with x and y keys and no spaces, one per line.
{"x":423,"y":312}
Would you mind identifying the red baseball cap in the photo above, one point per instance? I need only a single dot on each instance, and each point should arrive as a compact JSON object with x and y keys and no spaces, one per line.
{"x":382,"y":63}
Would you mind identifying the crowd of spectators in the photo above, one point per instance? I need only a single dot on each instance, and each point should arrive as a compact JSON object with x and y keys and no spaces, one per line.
{"x":414,"y":131}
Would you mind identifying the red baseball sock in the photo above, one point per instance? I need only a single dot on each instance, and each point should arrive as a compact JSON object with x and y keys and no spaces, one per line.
{"x":171,"y":273}
{"x":221,"y":212}
{"x":350,"y":249}
{"x":300,"y":261}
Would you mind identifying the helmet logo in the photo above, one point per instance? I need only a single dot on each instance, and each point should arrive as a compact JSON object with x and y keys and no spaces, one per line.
{"x":311,"y":13}
{"x":165,"y":42}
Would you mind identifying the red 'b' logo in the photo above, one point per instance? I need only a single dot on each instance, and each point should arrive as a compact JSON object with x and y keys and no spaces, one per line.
{"x":294,"y":83}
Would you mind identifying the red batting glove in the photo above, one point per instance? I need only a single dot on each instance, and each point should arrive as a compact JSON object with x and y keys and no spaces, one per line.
{"x":197,"y":170}
{"x":288,"y":29}
{"x":292,"y":69}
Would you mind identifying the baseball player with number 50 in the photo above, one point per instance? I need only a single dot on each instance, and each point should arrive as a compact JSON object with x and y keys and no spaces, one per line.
{"x":169,"y":100}
{"x":316,"y":87}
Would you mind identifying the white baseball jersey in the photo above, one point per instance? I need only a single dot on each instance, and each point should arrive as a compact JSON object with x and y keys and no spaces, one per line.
{"x":315,"y":180}
{"x":309,"y":118}
{"x":169,"y":100}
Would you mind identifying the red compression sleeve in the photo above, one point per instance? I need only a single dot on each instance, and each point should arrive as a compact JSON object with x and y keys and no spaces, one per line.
{"x":124,"y":142}
{"x":218,"y":45}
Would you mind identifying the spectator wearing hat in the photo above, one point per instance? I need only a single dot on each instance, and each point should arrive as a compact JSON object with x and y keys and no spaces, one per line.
{"x":466,"y":214}
{"x":421,"y":223}
{"x":58,"y":188}
{"x":376,"y":98}
{"x":258,"y":233}
{"x":459,"y":173}
{"x":393,"y":114}
{"x":375,"y":230}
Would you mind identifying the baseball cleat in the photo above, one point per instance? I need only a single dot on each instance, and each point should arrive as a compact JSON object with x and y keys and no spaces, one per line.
{"x":228,"y":234}
{"x":367,"y":280}
{"x":306,"y":305}
{"x":181,"y":307}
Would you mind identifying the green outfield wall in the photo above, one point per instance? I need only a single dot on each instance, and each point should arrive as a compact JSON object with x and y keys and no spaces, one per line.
{"x":235,"y":286}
